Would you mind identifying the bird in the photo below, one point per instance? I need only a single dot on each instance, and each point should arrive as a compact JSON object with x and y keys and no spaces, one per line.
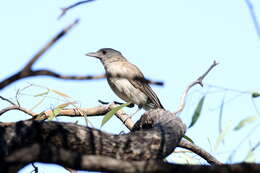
{"x":127,"y":87}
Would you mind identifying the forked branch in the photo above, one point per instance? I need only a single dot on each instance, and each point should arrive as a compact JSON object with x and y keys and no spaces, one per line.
{"x":198,"y":81}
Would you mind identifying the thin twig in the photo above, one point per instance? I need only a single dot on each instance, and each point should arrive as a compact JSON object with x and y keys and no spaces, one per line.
{"x":5,"y":99}
{"x":198,"y":81}
{"x":253,"y":16}
{"x":16,"y":107}
{"x":28,"y":66}
{"x":64,"y":10}
{"x":36,"y":169}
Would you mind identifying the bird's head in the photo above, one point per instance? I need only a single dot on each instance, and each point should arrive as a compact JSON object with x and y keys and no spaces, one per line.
{"x":107,"y":54}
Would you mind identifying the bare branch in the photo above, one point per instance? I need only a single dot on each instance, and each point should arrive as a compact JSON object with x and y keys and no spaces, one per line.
{"x":16,"y":107}
{"x":64,"y":10}
{"x":5,"y":99}
{"x":27,"y":69}
{"x":198,"y":81}
{"x":28,"y":66}
{"x":199,"y":151}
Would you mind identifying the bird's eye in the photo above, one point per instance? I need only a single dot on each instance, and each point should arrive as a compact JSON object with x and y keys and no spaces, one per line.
{"x":104,"y":52}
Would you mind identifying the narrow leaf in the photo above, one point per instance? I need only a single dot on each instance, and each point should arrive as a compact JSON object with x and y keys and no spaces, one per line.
{"x":112,"y":112}
{"x":66,"y":104}
{"x":60,"y":93}
{"x":42,"y":94}
{"x":188,"y":138}
{"x":38,"y":103}
{"x":246,"y":121}
{"x":255,"y":94}
{"x":58,"y":109}
{"x":55,"y":112}
{"x":197,"y":112}
{"x":222,"y":135}
{"x":221,"y":114}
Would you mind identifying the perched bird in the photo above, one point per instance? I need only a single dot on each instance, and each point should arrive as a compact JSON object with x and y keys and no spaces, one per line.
{"x":126,"y":86}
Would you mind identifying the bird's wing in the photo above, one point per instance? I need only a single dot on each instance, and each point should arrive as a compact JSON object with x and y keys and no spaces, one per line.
{"x":144,"y":87}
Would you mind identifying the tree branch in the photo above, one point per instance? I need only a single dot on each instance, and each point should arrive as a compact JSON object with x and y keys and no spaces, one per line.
{"x":102,"y":110}
{"x":63,"y":143}
{"x":253,"y":16}
{"x":198,"y":81}
{"x":199,"y":151}
{"x":64,"y":10}
{"x":27,"y":69}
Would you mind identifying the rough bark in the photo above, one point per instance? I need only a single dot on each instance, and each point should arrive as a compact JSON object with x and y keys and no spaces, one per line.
{"x":55,"y":142}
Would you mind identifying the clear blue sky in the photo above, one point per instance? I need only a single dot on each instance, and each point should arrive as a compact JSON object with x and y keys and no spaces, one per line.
{"x":169,"y":40}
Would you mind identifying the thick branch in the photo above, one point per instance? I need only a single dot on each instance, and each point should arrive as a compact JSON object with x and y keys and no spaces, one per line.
{"x":199,"y":151}
{"x":125,"y":118}
{"x":66,"y":140}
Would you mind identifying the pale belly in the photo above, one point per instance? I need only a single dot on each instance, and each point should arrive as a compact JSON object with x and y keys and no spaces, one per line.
{"x":126,"y":91}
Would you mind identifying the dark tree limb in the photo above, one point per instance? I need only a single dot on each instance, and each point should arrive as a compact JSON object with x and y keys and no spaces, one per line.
{"x":83,"y":148}
{"x":45,"y":140}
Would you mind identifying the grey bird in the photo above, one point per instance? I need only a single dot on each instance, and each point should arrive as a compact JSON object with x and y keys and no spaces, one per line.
{"x":126,"y":86}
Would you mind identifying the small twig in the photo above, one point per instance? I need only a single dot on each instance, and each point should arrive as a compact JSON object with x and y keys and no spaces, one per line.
{"x":253,"y":16}
{"x":5,"y":99}
{"x":16,"y":107}
{"x":103,"y":102}
{"x":36,"y":169}
{"x":198,"y":81}
{"x":28,"y":66}
{"x":64,"y":10}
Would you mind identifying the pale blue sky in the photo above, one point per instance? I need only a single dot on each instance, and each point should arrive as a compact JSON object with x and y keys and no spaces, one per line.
{"x":169,"y":40}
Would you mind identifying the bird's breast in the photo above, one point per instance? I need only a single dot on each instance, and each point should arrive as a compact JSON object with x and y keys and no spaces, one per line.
{"x":126,"y":91}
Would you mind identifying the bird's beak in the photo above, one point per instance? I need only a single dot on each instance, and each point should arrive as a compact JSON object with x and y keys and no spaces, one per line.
{"x":93,"y":54}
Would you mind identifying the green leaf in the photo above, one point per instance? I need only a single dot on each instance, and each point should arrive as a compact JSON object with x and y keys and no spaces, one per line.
{"x":55,"y":112}
{"x":58,"y":109}
{"x":188,"y":138}
{"x":255,"y":94}
{"x":197,"y":112}
{"x":246,"y":121}
{"x":42,"y":94}
{"x":222,"y":135}
{"x":112,"y":112}
{"x":60,"y":93}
